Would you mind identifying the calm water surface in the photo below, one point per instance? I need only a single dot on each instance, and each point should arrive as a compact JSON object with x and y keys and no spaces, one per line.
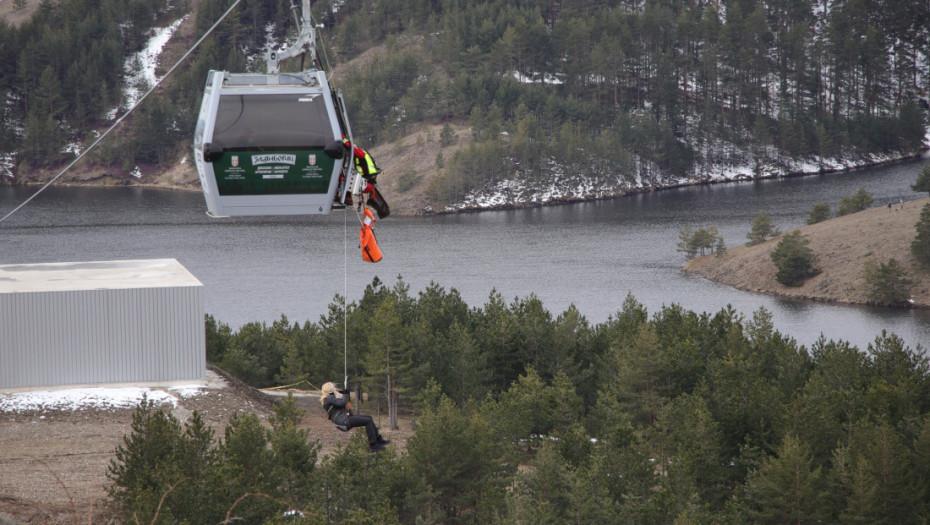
{"x":590,"y":255}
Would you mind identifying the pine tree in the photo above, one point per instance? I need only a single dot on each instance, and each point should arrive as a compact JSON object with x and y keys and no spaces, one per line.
{"x":887,"y":282}
{"x":762,"y":227}
{"x":878,"y":477}
{"x":456,"y":464}
{"x":861,"y":200}
{"x":793,"y":259}
{"x":819,"y":213}
{"x":161,"y":471}
{"x":920,"y":246}
{"x":387,"y":359}
{"x":923,"y":180}
{"x":447,"y":135}
{"x":293,"y":457}
{"x":700,"y":241}
{"x":544,"y":494}
{"x":788,"y":487}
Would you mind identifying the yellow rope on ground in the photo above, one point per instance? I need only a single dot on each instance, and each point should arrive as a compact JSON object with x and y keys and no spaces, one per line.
{"x":302,"y":381}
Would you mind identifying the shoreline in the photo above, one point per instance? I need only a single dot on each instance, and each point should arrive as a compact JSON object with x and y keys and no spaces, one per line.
{"x":193,"y":185}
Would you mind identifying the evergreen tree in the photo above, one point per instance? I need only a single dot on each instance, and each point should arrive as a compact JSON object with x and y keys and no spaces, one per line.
{"x":544,"y":494}
{"x":923,"y":180}
{"x":819,"y":213}
{"x":159,"y":471}
{"x":861,"y":200}
{"x":887,"y":282}
{"x":762,"y":227}
{"x":793,"y":259}
{"x":920,"y":246}
{"x":877,"y":476}
{"x":246,"y":465}
{"x":788,"y":487}
{"x":693,"y":438}
{"x":293,"y":460}
{"x":700,"y":241}
{"x":387,"y":358}
{"x":457,"y":466}
{"x":447,"y":135}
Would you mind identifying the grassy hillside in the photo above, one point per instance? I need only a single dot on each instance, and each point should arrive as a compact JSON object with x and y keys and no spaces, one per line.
{"x":841,"y":247}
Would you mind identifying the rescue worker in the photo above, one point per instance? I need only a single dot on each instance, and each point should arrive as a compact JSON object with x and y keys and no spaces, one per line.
{"x":368,"y":169}
{"x":336,"y":404}
{"x":364,"y":162}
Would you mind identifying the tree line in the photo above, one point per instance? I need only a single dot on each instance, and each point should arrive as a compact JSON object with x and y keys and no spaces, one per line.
{"x":670,"y":417}
{"x":622,"y":93}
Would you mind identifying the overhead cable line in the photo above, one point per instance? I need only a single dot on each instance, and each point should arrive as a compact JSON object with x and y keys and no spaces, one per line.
{"x":120,"y":120}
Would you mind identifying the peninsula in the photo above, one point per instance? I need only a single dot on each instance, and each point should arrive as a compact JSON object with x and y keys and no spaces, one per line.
{"x":841,"y":247}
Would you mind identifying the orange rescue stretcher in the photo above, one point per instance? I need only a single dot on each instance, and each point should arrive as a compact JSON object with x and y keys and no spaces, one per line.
{"x":366,"y":239}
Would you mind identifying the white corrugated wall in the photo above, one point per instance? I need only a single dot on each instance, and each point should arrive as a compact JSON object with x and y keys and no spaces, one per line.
{"x":78,"y":337}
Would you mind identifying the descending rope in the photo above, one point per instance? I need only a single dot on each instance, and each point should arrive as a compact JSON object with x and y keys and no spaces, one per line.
{"x":120,"y":120}
{"x":345,"y":299}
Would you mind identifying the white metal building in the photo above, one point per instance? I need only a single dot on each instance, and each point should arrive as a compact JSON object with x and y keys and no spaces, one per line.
{"x":97,"y":323}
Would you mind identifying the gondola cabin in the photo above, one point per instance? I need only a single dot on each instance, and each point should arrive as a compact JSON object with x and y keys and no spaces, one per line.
{"x":259,"y":144}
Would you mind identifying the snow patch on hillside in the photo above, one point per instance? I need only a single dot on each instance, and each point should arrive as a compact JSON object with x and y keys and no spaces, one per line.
{"x":99,"y":398}
{"x":603,"y":182}
{"x":7,"y":163}
{"x":140,"y":67}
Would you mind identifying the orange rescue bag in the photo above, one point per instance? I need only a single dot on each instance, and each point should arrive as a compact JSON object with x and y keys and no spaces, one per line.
{"x":366,"y":238}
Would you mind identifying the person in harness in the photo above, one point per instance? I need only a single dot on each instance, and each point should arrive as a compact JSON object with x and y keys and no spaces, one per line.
{"x":338,"y":410}
{"x":368,"y":169}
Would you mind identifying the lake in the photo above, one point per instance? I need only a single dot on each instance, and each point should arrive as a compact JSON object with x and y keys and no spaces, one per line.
{"x":588,"y":254}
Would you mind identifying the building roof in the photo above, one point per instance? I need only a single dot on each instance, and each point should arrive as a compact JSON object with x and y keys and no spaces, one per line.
{"x":95,"y":275}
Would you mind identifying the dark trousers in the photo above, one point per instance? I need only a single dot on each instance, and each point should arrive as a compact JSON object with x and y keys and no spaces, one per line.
{"x":368,"y":423}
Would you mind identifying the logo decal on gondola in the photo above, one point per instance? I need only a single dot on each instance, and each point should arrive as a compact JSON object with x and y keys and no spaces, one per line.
{"x":307,"y":98}
{"x":279,"y":158}
{"x":235,"y":161}
{"x":312,"y":159}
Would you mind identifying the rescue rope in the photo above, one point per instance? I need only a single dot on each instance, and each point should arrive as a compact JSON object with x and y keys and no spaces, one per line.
{"x":345,"y":298}
{"x":120,"y":120}
{"x":282,"y":387}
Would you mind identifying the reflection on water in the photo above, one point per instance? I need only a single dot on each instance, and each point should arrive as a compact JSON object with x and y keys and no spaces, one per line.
{"x":589,"y":254}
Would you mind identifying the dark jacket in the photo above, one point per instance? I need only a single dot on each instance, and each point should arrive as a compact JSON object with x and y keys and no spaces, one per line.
{"x":336,"y":409}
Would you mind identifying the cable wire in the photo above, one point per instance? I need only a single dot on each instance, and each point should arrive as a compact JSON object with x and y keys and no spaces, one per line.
{"x":120,"y":120}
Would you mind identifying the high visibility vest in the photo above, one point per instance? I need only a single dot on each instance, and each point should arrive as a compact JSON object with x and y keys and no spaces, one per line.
{"x":366,"y":239}
{"x":364,"y":163}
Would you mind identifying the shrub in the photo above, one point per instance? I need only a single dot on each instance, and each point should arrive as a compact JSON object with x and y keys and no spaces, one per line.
{"x":819,"y":213}
{"x":887,"y":282}
{"x":408,"y":180}
{"x":794,"y":260}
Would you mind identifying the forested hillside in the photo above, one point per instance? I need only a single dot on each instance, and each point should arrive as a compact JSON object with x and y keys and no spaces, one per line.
{"x":606,"y":96}
{"x":523,"y":416}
